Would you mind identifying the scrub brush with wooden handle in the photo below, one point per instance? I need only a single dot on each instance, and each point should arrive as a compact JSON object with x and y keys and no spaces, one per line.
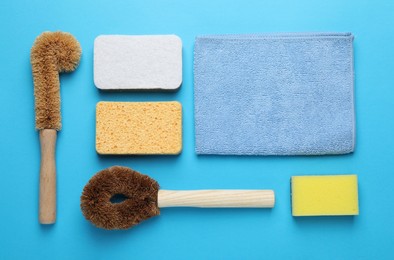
{"x":52,"y":53}
{"x":143,"y":198}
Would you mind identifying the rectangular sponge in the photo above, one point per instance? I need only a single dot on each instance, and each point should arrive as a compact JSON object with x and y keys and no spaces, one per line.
{"x":139,"y":128}
{"x":324,"y":195}
{"x":138,"y":62}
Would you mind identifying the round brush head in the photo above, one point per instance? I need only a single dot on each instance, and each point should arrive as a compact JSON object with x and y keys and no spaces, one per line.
{"x":139,"y":192}
{"x":52,"y":53}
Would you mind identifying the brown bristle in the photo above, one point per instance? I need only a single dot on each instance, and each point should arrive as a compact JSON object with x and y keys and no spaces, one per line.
{"x":140,"y":192}
{"x":52,"y":52}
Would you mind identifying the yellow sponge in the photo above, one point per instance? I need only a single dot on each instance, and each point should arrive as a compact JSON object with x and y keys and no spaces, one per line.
{"x":139,"y":128}
{"x":324,"y":195}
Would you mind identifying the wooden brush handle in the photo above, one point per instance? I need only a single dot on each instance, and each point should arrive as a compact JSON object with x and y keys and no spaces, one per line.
{"x":216,"y":198}
{"x":47,"y":211}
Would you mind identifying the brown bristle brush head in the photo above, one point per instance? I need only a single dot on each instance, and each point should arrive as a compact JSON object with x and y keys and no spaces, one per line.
{"x":140,"y":192}
{"x":52,"y":53}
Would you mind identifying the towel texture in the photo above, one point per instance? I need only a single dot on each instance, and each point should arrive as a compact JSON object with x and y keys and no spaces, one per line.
{"x":275,"y":94}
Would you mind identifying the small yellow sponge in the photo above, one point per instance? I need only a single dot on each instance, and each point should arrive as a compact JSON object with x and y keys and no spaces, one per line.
{"x":325,"y":195}
{"x":139,"y":128}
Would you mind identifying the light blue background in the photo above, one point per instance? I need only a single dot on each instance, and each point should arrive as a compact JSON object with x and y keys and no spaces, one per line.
{"x":192,"y":233}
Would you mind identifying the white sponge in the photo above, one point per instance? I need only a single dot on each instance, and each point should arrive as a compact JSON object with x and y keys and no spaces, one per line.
{"x":145,"y":62}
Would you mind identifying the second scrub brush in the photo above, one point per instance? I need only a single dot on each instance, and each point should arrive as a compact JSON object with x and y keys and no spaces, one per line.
{"x":52,"y":53}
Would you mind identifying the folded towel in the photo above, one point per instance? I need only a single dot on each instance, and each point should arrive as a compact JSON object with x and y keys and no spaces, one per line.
{"x":278,"y":94}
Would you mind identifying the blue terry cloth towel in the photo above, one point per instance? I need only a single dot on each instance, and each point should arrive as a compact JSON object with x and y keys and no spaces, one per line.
{"x":274,"y":94}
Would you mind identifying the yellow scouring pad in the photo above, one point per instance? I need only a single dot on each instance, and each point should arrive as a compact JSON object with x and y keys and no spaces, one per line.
{"x":325,"y":195}
{"x":139,"y":128}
